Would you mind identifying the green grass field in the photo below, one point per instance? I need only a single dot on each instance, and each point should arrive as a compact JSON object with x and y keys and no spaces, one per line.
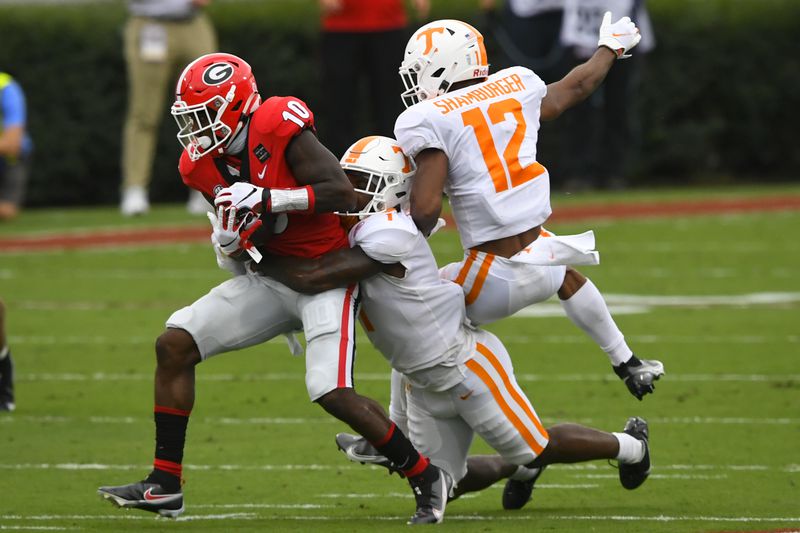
{"x":725,"y":420}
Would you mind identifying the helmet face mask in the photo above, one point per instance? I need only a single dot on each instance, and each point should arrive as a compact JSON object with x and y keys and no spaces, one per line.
{"x":379,"y":170}
{"x":214,"y":96}
{"x":200,"y":132}
{"x":438,"y":55}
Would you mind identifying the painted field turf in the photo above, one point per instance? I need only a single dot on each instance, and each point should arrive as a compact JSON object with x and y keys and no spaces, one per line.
{"x":724,"y":421}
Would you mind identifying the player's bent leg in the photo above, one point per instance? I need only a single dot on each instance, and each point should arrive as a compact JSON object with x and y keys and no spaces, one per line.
{"x":497,"y":408}
{"x":587,"y":309}
{"x":496,"y":287}
{"x":364,"y":415}
{"x":176,"y":356}
{"x":572,"y":443}
{"x":239,"y":312}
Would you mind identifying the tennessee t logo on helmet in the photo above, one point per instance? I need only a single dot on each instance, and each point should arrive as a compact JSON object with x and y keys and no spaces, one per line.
{"x":438,"y":55}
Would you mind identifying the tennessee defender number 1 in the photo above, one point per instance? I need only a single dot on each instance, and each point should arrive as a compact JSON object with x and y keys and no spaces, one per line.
{"x":299,"y":113}
{"x":516,"y":174}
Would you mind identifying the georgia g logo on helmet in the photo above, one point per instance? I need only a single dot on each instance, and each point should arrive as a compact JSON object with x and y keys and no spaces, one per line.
{"x":217,"y":73}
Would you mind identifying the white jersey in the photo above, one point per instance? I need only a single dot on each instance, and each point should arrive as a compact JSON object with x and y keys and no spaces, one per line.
{"x":416,"y":322}
{"x":488,"y":132}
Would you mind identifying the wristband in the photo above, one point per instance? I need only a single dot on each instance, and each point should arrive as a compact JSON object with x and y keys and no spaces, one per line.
{"x":299,"y":199}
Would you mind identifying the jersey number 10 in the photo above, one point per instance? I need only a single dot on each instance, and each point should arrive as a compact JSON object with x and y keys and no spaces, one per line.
{"x":300,"y":113}
{"x":513,"y":173}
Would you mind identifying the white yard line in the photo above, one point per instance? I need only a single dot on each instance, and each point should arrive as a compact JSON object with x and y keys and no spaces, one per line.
{"x":384,"y":376}
{"x":314,"y":421}
{"x":449,"y":517}
{"x":583,"y":467}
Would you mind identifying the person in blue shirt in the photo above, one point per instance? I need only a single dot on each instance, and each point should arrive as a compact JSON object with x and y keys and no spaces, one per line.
{"x":15,"y":147}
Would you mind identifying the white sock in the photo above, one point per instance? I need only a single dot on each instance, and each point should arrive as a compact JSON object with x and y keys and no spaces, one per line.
{"x":587,"y":309}
{"x":524,"y":473}
{"x":3,"y":353}
{"x":631,"y":449}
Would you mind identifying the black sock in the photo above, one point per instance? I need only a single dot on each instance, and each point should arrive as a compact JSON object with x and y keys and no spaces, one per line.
{"x":397,"y":448}
{"x":6,"y":379}
{"x":171,"y":427}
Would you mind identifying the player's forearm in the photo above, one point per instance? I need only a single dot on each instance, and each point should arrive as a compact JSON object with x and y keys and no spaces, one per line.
{"x":582,"y":81}
{"x":339,"y":268}
{"x":334,"y":196}
{"x":425,"y":221}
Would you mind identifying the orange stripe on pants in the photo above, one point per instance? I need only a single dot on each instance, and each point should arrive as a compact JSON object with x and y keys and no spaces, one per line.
{"x":462,"y":274}
{"x":477,"y":285}
{"x":523,"y":403}
{"x":473,"y":365}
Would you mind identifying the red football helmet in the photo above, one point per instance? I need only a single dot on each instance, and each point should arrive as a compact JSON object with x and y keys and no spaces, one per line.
{"x":214,"y":95}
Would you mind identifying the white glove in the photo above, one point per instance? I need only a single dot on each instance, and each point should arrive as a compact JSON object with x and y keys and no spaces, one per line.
{"x":242,"y":196}
{"x":224,"y":261}
{"x":620,"y":36}
{"x":233,"y":238}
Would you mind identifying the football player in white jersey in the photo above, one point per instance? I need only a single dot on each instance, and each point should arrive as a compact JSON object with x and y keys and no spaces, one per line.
{"x":473,"y":136}
{"x":459,"y":380}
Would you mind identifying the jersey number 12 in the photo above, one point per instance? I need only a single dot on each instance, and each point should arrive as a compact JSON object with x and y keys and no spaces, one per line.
{"x":516,"y":174}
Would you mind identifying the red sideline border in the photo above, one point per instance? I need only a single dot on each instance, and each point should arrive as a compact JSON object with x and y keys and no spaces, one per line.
{"x":170,"y":235}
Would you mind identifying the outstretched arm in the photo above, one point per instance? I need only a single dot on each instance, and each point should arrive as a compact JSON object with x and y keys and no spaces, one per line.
{"x":576,"y":86}
{"x":313,"y":164}
{"x":338,"y":268}
{"x":615,"y":40}
{"x":427,"y":188}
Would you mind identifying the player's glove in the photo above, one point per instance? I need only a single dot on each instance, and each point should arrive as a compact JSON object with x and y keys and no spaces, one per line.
{"x":232,"y":233}
{"x":224,"y":261}
{"x":243,"y":196}
{"x":620,"y":36}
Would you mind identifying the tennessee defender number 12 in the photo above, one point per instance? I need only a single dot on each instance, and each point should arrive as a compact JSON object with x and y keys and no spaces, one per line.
{"x":516,"y":174}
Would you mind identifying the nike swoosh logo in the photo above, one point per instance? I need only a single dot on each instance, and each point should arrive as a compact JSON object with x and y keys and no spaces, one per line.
{"x":467,"y":395}
{"x":248,"y":196}
{"x":150,"y":497}
{"x":261,"y":174}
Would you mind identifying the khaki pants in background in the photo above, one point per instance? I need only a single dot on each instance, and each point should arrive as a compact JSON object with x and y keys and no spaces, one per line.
{"x":149,"y":82}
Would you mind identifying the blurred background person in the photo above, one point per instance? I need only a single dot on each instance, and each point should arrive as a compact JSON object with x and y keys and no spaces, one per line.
{"x":6,"y":366}
{"x":356,"y":38}
{"x":15,"y":147}
{"x":602,"y":135}
{"x":529,"y":34}
{"x":160,"y":37}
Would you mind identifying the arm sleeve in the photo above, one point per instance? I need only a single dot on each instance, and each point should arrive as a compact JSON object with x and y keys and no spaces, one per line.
{"x":414,"y":133}
{"x":385,"y":237}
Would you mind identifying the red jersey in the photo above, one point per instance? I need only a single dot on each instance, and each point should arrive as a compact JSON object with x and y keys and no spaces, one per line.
{"x":272,"y":126}
{"x":366,"y":16}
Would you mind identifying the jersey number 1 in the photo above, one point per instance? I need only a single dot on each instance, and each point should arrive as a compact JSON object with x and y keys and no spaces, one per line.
{"x":516,"y":174}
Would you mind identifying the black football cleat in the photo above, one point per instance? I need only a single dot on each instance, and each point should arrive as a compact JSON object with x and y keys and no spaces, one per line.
{"x":517,"y":493}
{"x":359,"y":450}
{"x":634,"y":474}
{"x":431,"y":491}
{"x":145,"y":496}
{"x":639,"y":375}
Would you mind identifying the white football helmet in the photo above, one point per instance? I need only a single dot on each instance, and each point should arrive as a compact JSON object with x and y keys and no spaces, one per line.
{"x":438,"y":55}
{"x":383,"y":170}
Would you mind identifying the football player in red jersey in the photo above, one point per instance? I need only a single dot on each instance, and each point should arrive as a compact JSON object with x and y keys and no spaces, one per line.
{"x":261,"y":161}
